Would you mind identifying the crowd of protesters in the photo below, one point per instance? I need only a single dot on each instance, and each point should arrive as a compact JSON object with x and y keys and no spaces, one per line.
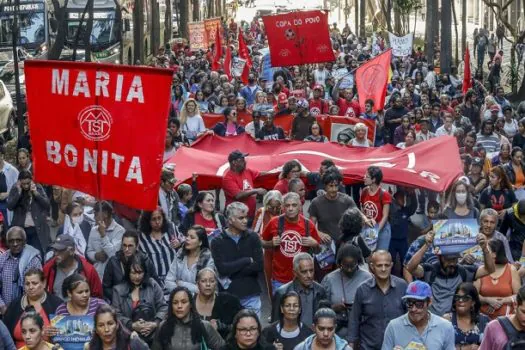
{"x":186,"y":275}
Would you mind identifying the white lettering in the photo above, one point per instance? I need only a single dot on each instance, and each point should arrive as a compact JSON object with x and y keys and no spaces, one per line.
{"x":135,"y":90}
{"x":81,"y":85}
{"x":90,"y":161}
{"x":70,"y":155}
{"x":60,"y":83}
{"x":104,"y":162}
{"x":118,"y":159}
{"x":101,"y":84}
{"x":52,"y":150}
{"x":134,"y":171}
{"x":118,"y":92}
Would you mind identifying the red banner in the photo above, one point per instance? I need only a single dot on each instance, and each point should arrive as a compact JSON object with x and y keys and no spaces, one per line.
{"x":336,"y":128}
{"x":99,"y":128}
{"x":298,"y":37}
{"x":210,"y":26}
{"x":420,"y":165}
{"x":467,"y":80}
{"x":371,"y":79}
{"x":197,"y":33}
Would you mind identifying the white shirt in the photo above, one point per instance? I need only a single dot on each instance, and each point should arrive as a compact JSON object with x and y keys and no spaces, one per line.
{"x":441,"y":131}
{"x":110,"y":244}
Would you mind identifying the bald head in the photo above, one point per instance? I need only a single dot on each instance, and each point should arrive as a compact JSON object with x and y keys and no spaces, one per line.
{"x":381,"y":265}
{"x":379,"y":255}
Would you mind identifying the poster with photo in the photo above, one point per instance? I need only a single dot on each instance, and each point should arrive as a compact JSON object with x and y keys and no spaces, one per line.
{"x":75,"y":331}
{"x":454,"y":236}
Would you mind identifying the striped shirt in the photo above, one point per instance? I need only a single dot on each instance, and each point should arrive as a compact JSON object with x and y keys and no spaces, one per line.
{"x":12,"y":279}
{"x":490,"y":143}
{"x":159,"y":251}
{"x":94,"y":303}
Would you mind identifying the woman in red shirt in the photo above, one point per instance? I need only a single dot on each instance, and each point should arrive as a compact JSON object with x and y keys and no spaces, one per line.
{"x":291,"y":170}
{"x":203,"y":213}
{"x":375,"y":204}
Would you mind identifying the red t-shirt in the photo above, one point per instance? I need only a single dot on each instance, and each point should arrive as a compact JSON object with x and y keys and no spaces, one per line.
{"x":290,"y":245}
{"x":233,"y":183}
{"x":317,"y":107}
{"x":209,"y":225}
{"x":282,"y":186}
{"x":372,"y":205}
{"x":349,"y":109}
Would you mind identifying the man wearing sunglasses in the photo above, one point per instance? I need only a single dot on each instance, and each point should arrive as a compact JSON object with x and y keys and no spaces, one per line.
{"x":419,"y":328}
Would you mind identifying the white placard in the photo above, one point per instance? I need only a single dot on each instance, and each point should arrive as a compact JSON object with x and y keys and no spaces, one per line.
{"x":401,"y":46}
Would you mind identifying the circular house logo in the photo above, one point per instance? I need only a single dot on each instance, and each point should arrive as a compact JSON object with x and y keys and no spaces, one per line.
{"x":95,"y":123}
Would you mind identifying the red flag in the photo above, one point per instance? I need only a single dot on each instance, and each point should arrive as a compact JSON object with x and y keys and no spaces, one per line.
{"x":245,"y":54}
{"x":218,"y":51}
{"x":298,"y":37}
{"x":420,"y":165}
{"x":371,"y":80}
{"x":228,"y":62}
{"x":467,"y":79}
{"x":98,"y":141}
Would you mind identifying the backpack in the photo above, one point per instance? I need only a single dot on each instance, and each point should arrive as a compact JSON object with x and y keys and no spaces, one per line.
{"x":516,"y":338}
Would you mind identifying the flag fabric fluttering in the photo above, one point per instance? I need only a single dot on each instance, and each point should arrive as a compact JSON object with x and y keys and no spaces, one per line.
{"x":372,"y":78}
{"x":228,"y":62}
{"x":467,"y":79}
{"x":244,"y":53}
{"x":218,"y":51}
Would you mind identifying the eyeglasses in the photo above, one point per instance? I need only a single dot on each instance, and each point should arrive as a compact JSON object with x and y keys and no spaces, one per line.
{"x":419,"y":304}
{"x":350,"y":266}
{"x":462,"y":298}
{"x":245,"y":331}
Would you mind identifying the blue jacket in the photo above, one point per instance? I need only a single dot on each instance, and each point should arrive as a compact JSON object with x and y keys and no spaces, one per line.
{"x":399,"y":217}
{"x":248,"y":95}
{"x":340,"y":343}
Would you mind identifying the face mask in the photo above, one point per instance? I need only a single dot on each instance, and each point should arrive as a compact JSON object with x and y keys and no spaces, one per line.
{"x":461,"y":198}
{"x":77,"y":220}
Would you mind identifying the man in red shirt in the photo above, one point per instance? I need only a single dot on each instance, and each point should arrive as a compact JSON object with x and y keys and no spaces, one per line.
{"x":317,"y":104}
{"x":237,"y":182}
{"x":347,"y":105}
{"x":288,"y":234}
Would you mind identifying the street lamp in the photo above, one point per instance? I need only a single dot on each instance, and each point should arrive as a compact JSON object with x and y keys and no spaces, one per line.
{"x":18,"y":93}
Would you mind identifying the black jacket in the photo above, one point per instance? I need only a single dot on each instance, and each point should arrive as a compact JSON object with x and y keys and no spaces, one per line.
{"x":319,"y":294}
{"x":14,"y":310}
{"x":114,"y":273}
{"x":241,"y":262}
{"x":225,"y":308}
{"x":189,"y":221}
{"x":517,"y":231}
{"x":511,"y":174}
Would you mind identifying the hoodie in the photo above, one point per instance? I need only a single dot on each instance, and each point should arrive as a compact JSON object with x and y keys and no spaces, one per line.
{"x":340,"y":343}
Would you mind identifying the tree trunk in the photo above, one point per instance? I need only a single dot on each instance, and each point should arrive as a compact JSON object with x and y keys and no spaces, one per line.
{"x":446,"y":37}
{"x":397,"y":20}
{"x":463,"y":25}
{"x":211,"y":9}
{"x":183,"y":19}
{"x":514,"y":82}
{"x":456,"y":32}
{"x":219,"y":8}
{"x":356,"y":13}
{"x":432,"y":28}
{"x":168,"y":18}
{"x":362,"y":19}
{"x":155,"y":28}
{"x":195,"y":10}
{"x":89,"y":29}
{"x":138,"y":32}
{"x":60,"y":16}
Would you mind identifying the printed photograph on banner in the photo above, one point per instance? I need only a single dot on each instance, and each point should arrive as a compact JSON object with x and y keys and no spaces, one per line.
{"x":454,"y":236}
{"x":197,"y":34}
{"x":342,"y":133}
{"x":370,"y":235}
{"x":476,"y":252}
{"x":74,"y":331}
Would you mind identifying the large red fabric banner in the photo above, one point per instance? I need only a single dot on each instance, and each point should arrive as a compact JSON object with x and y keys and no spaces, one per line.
{"x":336,"y":128}
{"x":99,"y":128}
{"x":371,"y":80}
{"x":298,"y":37}
{"x":420,"y":165}
{"x":211,"y":27}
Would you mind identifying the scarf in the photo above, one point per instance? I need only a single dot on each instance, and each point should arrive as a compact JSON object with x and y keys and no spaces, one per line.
{"x":74,"y":231}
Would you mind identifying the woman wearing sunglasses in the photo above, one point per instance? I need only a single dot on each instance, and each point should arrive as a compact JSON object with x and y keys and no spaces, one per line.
{"x":229,"y":127}
{"x":469,"y":324}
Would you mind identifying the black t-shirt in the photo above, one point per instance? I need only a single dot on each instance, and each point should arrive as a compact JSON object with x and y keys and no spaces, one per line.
{"x":497,"y":199}
{"x":271,"y":335}
{"x":275,"y":133}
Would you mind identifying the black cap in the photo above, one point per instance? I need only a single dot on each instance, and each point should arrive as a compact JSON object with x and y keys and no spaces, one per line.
{"x":62,"y":242}
{"x":236,"y":155}
{"x":477,"y":161}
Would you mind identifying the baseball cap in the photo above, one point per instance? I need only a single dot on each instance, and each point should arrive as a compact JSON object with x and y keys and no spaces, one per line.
{"x":302,"y":103}
{"x":318,"y":87}
{"x":62,"y":242}
{"x":168,"y":175}
{"x":477,"y":161}
{"x":418,"y":290}
{"x":282,"y":98}
{"x":494,"y":108}
{"x":236,"y":155}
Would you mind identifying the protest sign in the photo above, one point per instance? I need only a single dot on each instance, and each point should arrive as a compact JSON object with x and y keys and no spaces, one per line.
{"x":453,"y":236}
{"x":298,"y":37}
{"x":197,"y":35}
{"x":401,"y":45}
{"x":74,"y":331}
{"x":237,"y":67}
{"x":211,"y":25}
{"x":98,"y":141}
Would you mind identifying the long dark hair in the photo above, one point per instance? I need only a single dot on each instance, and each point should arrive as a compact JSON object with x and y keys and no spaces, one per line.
{"x":123,"y":334}
{"x":288,"y":294}
{"x":198,"y":200}
{"x":145,"y":221}
{"x":198,"y":332}
{"x":201,"y":235}
{"x":469,"y":289}
{"x":136,"y":264}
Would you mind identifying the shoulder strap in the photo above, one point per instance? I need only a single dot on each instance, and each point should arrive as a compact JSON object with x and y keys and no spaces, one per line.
{"x":280,"y":225}
{"x":306,"y":227}
{"x":508,"y":328}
